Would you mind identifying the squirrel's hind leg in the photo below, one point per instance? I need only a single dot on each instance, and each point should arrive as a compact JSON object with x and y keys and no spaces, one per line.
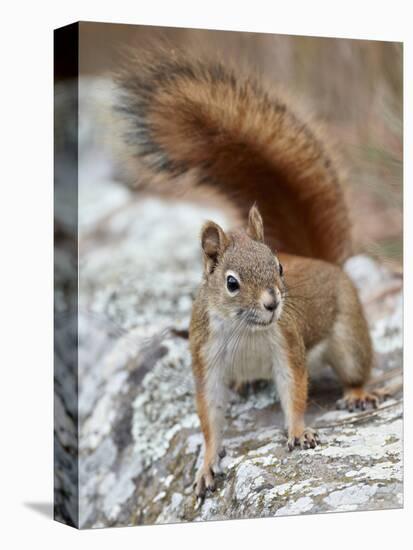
{"x":349,"y":354}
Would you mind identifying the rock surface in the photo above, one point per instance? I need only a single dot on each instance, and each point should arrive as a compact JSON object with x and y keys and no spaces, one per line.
{"x":140,"y":442}
{"x":139,"y":435}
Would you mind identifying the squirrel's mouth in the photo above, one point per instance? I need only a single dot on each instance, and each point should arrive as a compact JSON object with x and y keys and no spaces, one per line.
{"x":257,"y":322}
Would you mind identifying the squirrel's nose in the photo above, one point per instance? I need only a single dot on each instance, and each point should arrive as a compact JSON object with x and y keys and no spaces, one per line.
{"x":271,"y":306}
{"x":269,"y":299}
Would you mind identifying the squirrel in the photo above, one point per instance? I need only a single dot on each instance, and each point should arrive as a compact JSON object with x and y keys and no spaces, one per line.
{"x":271,"y":302}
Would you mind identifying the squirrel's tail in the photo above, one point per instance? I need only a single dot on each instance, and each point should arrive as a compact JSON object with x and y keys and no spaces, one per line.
{"x":194,"y":124}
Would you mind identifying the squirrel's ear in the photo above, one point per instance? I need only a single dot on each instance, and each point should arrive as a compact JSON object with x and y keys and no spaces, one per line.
{"x":214,"y":241}
{"x":255,"y":227}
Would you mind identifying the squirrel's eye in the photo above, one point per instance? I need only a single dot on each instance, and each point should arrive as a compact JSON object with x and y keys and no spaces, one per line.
{"x":232,"y":284}
{"x":281,"y":270}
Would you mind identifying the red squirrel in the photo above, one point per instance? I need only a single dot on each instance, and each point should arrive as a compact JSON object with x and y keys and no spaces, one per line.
{"x":273,"y":297}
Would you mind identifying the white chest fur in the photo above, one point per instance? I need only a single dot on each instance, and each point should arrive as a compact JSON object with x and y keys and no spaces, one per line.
{"x":240,"y":353}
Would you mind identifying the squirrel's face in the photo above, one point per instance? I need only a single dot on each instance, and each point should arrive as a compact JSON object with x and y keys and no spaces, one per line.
{"x":244,"y":277}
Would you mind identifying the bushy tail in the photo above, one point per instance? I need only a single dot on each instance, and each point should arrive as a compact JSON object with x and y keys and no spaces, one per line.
{"x":193,"y":124}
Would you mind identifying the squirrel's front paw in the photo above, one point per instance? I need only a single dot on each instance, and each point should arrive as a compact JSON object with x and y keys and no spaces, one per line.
{"x":206,"y":479}
{"x":307,"y":440}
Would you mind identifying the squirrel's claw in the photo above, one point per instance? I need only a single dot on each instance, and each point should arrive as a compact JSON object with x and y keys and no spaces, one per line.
{"x":309,"y":439}
{"x":360,"y":399}
{"x":205,"y":481}
{"x":207,"y":477}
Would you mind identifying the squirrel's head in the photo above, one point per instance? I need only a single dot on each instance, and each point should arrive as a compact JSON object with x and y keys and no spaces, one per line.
{"x":244,"y":277}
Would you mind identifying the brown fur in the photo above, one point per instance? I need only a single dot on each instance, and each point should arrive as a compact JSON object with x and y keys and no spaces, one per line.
{"x":192,"y":123}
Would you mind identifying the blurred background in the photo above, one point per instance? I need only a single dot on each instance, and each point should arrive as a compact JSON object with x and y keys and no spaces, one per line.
{"x":354,"y":87}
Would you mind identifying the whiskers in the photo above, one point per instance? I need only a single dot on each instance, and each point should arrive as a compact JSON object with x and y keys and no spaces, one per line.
{"x":296,"y":301}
